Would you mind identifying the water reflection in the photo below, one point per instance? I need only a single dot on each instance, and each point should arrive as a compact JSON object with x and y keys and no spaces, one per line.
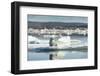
{"x":43,"y":52}
{"x":57,"y":54}
{"x":68,"y":55}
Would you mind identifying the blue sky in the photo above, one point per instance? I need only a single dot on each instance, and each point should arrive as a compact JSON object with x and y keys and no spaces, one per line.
{"x":51,"y":18}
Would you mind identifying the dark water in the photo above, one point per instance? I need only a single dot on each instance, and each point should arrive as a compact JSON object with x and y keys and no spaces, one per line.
{"x":43,"y":54}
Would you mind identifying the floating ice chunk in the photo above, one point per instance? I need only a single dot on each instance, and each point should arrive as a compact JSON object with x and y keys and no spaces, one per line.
{"x":32,"y":39}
